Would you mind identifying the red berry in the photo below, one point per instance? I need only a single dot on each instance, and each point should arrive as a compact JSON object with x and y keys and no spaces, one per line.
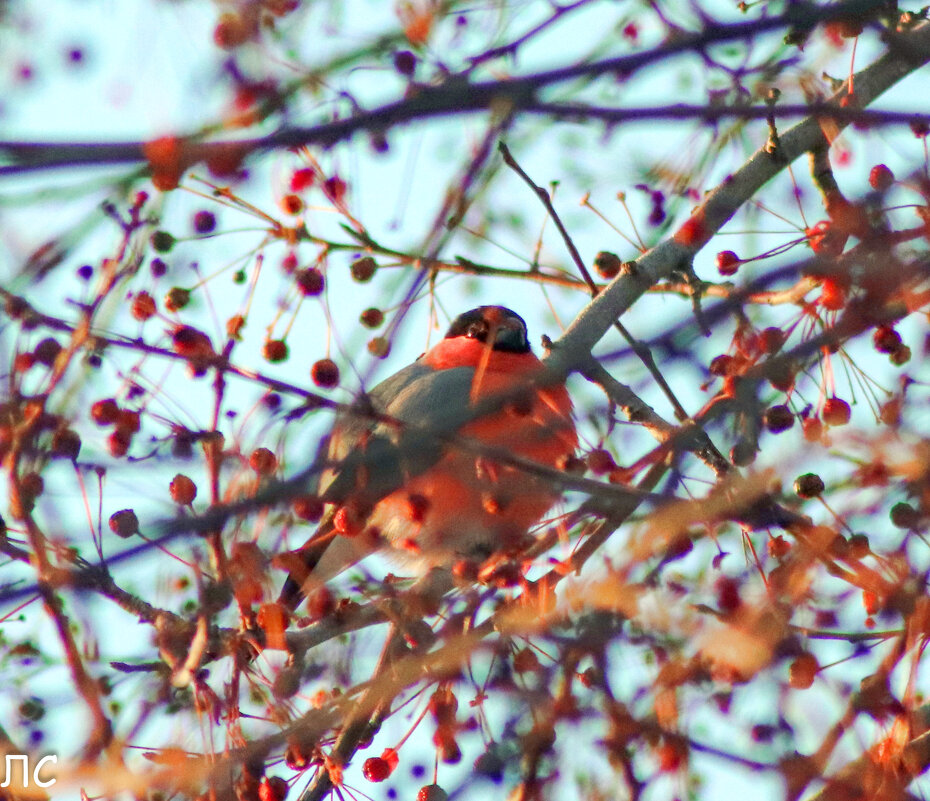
{"x":778,"y":547}
{"x":363,"y":269}
{"x":600,"y":461}
{"x":302,"y":179}
{"x":802,"y":672}
{"x":118,"y":442}
{"x":778,"y":418}
{"x":325,"y":373}
{"x":728,"y":599}
{"x":143,"y":306}
{"x":204,"y":222}
{"x":272,"y":788}
{"x":836,"y":412}
{"x":192,"y":343}
{"x":275,"y":350}
{"x":432,"y":792}
{"x":405,"y":62}
{"x":129,"y":420}
{"x":771,"y":340}
{"x":671,"y":757}
{"x":809,"y":485}
{"x":723,"y":365}
{"x":692,"y":232}
{"x":289,"y":262}
{"x":525,"y":660}
{"x":812,"y":429}
{"x":728,"y":262}
{"x":183,"y":490}
{"x":334,"y":188}
{"x":832,"y":295}
{"x":310,"y":281}
{"x":292,"y":204}
{"x":372,"y":318}
{"x":24,"y":362}
{"x":231,"y":31}
{"x":886,"y":339}
{"x":825,"y":240}
{"x":263,"y":461}
{"x":346,"y":522}
{"x":177,"y":298}
{"x":124,"y":523}
{"x":66,"y":443}
{"x":607,"y":264}
{"x":881,"y":178}
{"x":379,"y":347}
{"x":900,"y":355}
{"x":104,"y":412}
{"x":308,"y":507}
{"x":376,"y":769}
{"x":47,"y":351}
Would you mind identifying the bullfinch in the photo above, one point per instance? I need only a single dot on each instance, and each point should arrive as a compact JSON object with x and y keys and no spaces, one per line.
{"x":390,"y":485}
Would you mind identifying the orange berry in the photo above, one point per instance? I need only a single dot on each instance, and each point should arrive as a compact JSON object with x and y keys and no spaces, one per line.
{"x":836,"y":412}
{"x":292,"y":204}
{"x":104,"y":412}
{"x":143,"y":306}
{"x":802,"y":671}
{"x":275,"y":350}
{"x":263,"y":461}
{"x":183,"y":490}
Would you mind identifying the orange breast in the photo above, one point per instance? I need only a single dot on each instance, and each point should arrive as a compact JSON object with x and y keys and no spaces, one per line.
{"x":468,"y":503}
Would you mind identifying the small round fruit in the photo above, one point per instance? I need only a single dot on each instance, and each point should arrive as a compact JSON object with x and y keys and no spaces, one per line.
{"x":836,"y":412}
{"x":310,"y":281}
{"x":183,"y":490}
{"x":778,"y":418}
{"x":809,"y":485}
{"x":363,"y":269}
{"x":162,"y":241}
{"x":204,"y":222}
{"x":124,"y":523}
{"x":607,"y":264}
{"x":371,"y":318}
{"x":104,"y":412}
{"x":275,"y":350}
{"x":886,"y":339}
{"x":802,"y":672}
{"x":263,"y":461}
{"x":325,"y":373}
{"x":376,"y":769}
{"x":881,"y":178}
{"x":143,"y":307}
{"x":728,"y":262}
{"x":903,"y":515}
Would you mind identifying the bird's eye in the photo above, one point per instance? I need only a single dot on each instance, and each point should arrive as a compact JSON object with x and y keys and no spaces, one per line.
{"x":477,"y":330}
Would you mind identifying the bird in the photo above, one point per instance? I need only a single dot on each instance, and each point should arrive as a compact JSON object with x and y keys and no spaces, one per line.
{"x":391,"y":485}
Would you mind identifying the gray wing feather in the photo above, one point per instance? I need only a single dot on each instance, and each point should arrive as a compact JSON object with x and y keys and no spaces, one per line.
{"x":372,"y":459}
